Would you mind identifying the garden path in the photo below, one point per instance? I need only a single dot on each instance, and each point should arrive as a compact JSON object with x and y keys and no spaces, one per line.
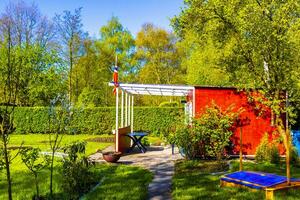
{"x":160,"y":161}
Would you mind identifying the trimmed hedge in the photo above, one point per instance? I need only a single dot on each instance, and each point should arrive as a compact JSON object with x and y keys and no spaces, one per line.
{"x":99,"y":120}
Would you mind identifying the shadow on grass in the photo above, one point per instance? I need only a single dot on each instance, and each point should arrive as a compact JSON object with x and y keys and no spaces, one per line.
{"x":23,"y":184}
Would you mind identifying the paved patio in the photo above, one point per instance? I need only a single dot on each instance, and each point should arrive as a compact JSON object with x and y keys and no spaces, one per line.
{"x":159,"y":160}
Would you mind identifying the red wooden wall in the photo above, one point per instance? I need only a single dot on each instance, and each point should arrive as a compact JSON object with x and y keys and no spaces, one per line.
{"x":255,"y":126}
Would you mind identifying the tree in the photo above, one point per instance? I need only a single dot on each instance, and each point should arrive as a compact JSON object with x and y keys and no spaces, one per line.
{"x":158,"y":59}
{"x":200,"y":61}
{"x":10,"y":79}
{"x":46,"y":85}
{"x":116,"y":40}
{"x":95,"y":67}
{"x":92,"y":78}
{"x":69,"y":28}
{"x":60,"y":114}
{"x":258,"y":42}
{"x":35,"y":163}
{"x":158,"y":56}
{"x":33,"y":34}
{"x":29,"y":26}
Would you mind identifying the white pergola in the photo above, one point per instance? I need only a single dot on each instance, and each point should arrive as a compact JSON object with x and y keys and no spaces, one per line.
{"x":129,"y":90}
{"x":155,"y":90}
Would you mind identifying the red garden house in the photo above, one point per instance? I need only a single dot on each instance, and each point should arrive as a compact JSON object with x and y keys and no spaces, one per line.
{"x":257,"y":119}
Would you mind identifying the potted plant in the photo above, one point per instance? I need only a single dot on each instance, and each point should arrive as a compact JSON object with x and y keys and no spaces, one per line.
{"x":111,"y":156}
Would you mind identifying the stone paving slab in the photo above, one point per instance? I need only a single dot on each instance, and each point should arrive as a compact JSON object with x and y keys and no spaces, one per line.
{"x":159,"y":160}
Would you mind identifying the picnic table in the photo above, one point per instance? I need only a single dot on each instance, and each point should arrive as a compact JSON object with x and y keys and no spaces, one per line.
{"x":137,"y":137}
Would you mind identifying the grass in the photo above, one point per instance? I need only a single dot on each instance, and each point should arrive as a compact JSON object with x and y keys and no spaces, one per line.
{"x":193,"y":180}
{"x":23,"y":187}
{"x":118,"y":181}
{"x":41,"y":141}
{"x":121,"y":182}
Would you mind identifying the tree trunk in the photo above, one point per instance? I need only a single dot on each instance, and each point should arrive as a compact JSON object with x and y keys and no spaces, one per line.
{"x":7,"y":97}
{"x":76,"y":87}
{"x":287,"y":156}
{"x":71,"y":68}
{"x":7,"y":166}
{"x":287,"y":144}
{"x":51,"y":173}
{"x":241,"y":149}
{"x":288,"y":172}
{"x":36,"y":186}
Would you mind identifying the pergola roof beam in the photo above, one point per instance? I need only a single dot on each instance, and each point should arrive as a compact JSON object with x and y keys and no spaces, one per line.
{"x":157,"y":90}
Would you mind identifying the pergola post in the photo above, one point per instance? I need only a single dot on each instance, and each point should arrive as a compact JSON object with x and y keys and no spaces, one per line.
{"x":122,"y":110}
{"x":128,"y":113}
{"x":126,"y":107}
{"x":117,"y":120}
{"x":132,"y":113}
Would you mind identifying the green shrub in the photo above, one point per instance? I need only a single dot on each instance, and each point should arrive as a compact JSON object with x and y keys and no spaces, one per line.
{"x":266,"y":151}
{"x":145,"y":141}
{"x":90,"y":97}
{"x":209,"y":134}
{"x":184,"y":139}
{"x":155,"y":119}
{"x":31,"y":119}
{"x":274,"y":154}
{"x":294,"y":156}
{"x":77,"y":178}
{"x":261,"y":153}
{"x":98,"y":120}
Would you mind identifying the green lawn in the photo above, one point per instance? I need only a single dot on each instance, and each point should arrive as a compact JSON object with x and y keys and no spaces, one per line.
{"x":23,"y":186}
{"x":41,"y":141}
{"x":121,"y":182}
{"x":117,"y":181}
{"x":193,"y":180}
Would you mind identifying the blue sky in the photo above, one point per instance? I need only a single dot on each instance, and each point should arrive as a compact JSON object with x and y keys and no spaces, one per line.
{"x":95,"y":13}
